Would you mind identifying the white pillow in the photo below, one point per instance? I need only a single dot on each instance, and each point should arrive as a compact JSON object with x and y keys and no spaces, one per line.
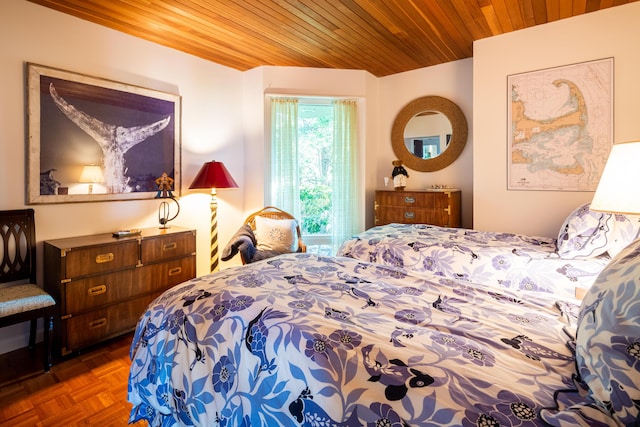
{"x":276,"y":234}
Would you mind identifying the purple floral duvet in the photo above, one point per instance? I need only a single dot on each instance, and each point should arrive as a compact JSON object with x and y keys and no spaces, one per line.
{"x":505,"y":260}
{"x":302,"y":340}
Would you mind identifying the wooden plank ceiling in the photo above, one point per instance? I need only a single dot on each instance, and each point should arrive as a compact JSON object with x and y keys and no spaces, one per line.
{"x":381,"y":36}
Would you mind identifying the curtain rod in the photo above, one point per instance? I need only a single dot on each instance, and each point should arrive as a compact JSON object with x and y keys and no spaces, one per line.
{"x":297,"y":95}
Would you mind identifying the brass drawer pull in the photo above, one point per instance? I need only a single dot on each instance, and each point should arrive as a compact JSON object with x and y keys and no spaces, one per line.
{"x":97,"y":290}
{"x":409,"y":199}
{"x":409,"y":215}
{"x":169,"y":246}
{"x":102,"y":258}
{"x":98,"y":323}
{"x":175,"y":271}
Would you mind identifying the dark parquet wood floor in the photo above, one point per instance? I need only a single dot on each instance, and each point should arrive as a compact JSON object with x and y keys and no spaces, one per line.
{"x":89,"y":389}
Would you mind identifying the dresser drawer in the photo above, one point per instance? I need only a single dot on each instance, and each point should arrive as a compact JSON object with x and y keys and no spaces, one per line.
{"x":167,"y":247}
{"x":402,"y":215}
{"x":87,"y":294}
{"x":100,"y":259}
{"x":101,"y":324}
{"x":158,"y":277}
{"x":426,"y":199}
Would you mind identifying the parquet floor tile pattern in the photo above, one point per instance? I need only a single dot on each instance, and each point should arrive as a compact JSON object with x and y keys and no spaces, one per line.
{"x":87,"y":390}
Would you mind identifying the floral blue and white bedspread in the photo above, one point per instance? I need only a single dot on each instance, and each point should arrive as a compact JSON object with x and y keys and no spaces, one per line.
{"x":303,"y":340}
{"x":506,"y":260}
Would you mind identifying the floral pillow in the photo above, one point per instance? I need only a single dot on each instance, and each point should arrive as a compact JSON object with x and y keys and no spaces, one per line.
{"x":276,"y":234}
{"x":586,"y":234}
{"x":607,"y":349}
{"x":608,"y":337}
{"x":625,"y":230}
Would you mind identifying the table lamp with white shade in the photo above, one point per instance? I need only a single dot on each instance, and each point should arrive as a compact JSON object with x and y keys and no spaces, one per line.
{"x":91,"y":174}
{"x":619,"y":187}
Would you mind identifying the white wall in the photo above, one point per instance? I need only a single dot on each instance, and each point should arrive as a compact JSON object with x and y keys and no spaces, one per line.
{"x":453,"y":81}
{"x":211,"y":123}
{"x":611,"y":32}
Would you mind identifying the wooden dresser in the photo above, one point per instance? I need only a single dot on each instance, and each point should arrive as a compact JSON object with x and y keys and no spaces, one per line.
{"x":103,"y":284}
{"x":436,"y":207}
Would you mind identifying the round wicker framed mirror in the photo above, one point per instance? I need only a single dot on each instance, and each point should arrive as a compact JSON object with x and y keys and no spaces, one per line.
{"x":451,"y":149}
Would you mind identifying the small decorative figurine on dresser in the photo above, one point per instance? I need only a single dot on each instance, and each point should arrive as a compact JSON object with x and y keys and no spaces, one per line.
{"x":164,"y":182}
{"x":399,"y":175}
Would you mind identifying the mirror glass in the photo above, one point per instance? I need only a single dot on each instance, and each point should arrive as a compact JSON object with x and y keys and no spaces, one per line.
{"x":429,"y":133}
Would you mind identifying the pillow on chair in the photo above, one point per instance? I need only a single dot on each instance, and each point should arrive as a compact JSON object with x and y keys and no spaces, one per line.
{"x":276,"y":234}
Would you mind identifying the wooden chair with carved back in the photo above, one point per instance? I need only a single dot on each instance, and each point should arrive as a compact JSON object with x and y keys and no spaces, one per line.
{"x":21,"y":299}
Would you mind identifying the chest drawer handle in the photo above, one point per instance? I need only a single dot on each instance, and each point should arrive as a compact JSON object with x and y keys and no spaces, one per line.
{"x":169,"y":246}
{"x":409,"y":199}
{"x":102,"y":258}
{"x":175,"y":271}
{"x":97,"y":290}
{"x":409,"y":215}
{"x":98,"y":323}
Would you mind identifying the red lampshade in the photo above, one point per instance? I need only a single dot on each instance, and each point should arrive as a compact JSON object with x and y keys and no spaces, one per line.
{"x":213,"y":175}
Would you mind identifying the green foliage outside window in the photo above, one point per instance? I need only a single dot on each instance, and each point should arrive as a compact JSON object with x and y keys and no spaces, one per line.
{"x":315,"y":140}
{"x":316,"y":209}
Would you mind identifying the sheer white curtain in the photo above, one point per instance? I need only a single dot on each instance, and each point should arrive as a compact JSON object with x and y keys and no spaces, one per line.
{"x":285,"y":188}
{"x":345,"y":206}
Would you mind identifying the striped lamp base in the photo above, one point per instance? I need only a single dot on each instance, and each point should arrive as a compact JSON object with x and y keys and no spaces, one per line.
{"x":214,"y":232}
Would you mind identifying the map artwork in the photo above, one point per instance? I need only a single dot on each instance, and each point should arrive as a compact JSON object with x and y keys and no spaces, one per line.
{"x":560,"y":126}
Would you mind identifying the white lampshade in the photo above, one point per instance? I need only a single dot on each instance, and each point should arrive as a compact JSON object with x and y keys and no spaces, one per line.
{"x":619,"y":187}
{"x":91,"y":174}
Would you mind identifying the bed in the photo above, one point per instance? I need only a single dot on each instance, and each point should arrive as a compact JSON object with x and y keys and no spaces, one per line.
{"x":306,"y":340}
{"x":585,"y":243}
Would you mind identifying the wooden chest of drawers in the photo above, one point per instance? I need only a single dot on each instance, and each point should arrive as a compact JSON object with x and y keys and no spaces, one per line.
{"x":436,"y":207}
{"x":103,"y":284}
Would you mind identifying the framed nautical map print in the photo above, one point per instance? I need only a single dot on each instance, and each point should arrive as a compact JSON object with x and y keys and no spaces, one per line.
{"x":560,"y":126}
{"x":92,"y":139}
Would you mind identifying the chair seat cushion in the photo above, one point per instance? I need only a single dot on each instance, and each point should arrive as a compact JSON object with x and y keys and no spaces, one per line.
{"x":22,"y":298}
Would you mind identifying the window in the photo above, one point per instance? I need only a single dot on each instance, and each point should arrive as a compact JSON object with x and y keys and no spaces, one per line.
{"x":313,"y":167}
{"x":315,"y":142}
